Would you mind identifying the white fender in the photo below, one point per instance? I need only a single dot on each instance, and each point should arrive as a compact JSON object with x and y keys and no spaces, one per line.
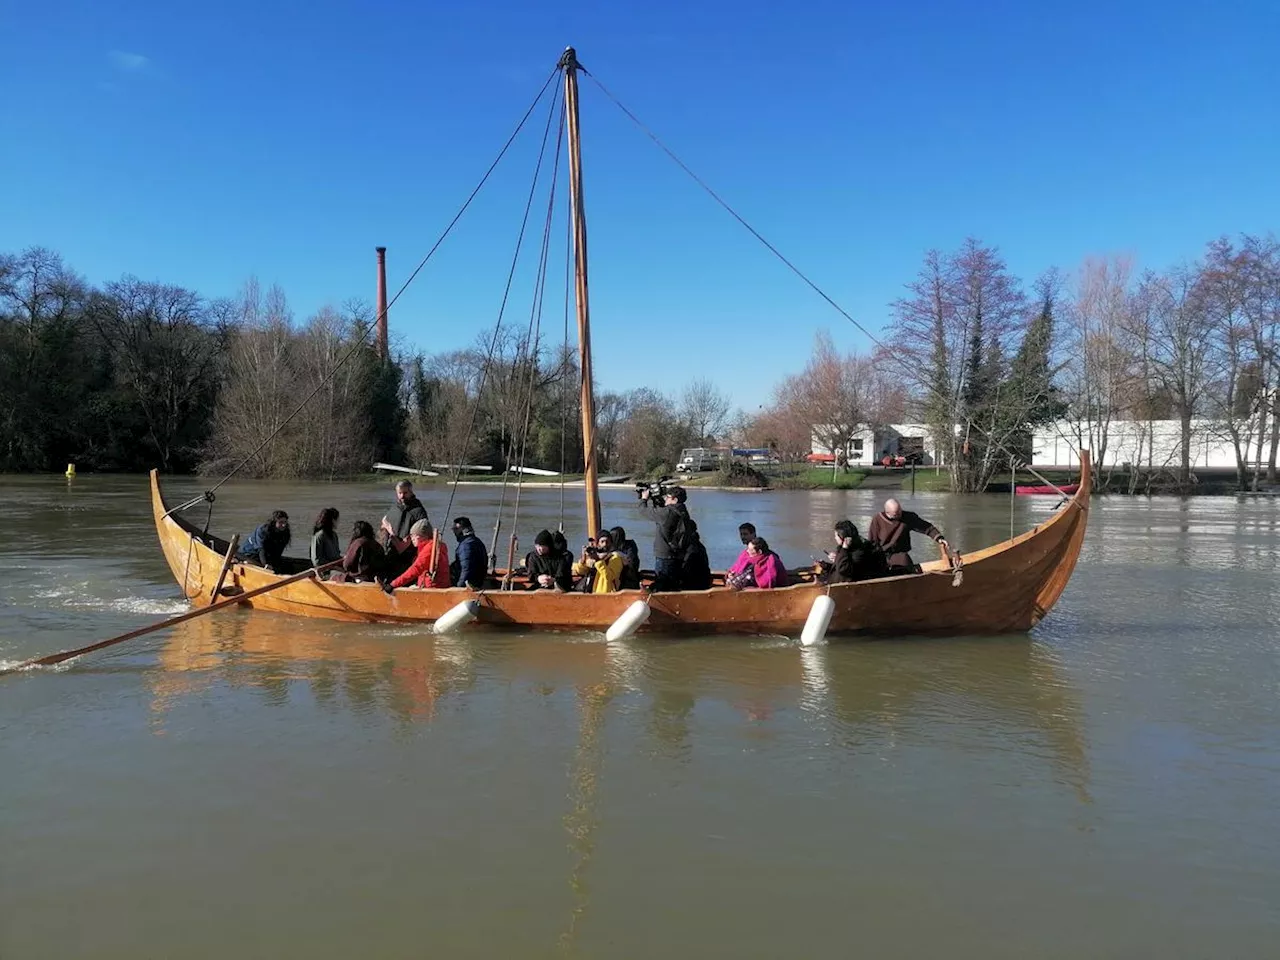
{"x":629,"y":622}
{"x":463,"y":613}
{"x":815,"y":627}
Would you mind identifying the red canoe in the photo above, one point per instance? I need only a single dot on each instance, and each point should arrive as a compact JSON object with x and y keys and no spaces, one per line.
{"x":1039,"y":490}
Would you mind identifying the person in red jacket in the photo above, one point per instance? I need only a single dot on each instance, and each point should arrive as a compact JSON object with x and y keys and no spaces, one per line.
{"x":431,"y":552}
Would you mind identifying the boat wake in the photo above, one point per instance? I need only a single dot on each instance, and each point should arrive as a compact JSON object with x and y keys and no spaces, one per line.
{"x":139,"y":606}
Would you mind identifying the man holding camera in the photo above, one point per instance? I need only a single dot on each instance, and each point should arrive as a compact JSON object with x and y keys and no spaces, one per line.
{"x":672,"y":537}
{"x":601,"y":563}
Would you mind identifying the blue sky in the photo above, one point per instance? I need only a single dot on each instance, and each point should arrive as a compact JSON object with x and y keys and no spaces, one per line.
{"x":202,"y":144}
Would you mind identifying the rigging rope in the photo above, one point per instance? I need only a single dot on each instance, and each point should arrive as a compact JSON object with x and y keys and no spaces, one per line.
{"x":535,"y":319}
{"x":791,"y":266}
{"x":360,"y":341}
{"x":564,"y":359}
{"x":497,"y":330}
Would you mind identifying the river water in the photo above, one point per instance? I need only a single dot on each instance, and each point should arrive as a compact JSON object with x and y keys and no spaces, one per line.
{"x":254,"y":786}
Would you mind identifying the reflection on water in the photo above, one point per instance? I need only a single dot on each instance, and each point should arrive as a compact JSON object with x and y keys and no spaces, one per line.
{"x":253,"y":785}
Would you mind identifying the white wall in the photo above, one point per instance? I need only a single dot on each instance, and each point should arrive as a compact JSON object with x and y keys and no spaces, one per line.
{"x":1153,"y":444}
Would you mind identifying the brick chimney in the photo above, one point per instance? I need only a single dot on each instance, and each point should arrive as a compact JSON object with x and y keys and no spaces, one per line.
{"x":382,"y":303}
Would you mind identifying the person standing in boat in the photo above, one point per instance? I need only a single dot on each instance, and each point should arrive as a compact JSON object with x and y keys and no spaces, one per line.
{"x":470,"y":567}
{"x":324,"y":538}
{"x":406,"y":511}
{"x":853,"y":559}
{"x":430,"y":567}
{"x":671,"y":538}
{"x":547,"y":566}
{"x":265,"y":546}
{"x":891,"y":530}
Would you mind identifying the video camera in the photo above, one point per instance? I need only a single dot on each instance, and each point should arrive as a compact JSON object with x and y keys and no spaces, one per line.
{"x":657,"y":490}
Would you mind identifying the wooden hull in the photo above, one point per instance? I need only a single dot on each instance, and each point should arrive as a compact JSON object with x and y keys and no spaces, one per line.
{"x":1006,"y":588}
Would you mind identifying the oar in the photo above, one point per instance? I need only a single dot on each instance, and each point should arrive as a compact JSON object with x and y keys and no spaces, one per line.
{"x":53,"y":658}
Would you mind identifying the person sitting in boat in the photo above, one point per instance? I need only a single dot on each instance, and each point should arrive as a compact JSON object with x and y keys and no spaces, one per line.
{"x":853,"y":559}
{"x":600,"y":566}
{"x":265,"y":546}
{"x":324,"y":538}
{"x":364,"y":557}
{"x":695,"y":565}
{"x":430,"y":567}
{"x":765,"y":571}
{"x":406,"y":511}
{"x":548,"y":567}
{"x":470,"y":567}
{"x":671,"y":540}
{"x":891,"y":530}
{"x":630,"y":555}
{"x":746,"y":533}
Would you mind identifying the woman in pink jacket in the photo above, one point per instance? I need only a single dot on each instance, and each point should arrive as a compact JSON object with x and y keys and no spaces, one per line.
{"x":764,"y":566}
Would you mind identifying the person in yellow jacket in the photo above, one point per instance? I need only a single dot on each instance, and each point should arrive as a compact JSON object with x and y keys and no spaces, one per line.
{"x":601,"y":564}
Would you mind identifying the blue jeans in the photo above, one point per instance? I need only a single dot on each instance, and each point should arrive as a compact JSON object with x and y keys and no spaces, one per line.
{"x":668,"y":573}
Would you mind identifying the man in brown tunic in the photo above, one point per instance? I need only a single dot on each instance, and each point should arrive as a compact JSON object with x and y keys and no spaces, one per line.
{"x":891,"y":531}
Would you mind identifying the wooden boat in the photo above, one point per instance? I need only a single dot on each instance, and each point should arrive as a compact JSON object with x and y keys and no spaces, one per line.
{"x":1007,"y":587}
{"x":1003,"y":588}
{"x":1044,"y":489}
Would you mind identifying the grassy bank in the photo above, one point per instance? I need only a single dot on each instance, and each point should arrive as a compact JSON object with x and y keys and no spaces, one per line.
{"x":818,"y":478}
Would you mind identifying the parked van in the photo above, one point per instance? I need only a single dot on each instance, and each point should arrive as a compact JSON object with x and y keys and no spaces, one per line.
{"x":698,"y":459}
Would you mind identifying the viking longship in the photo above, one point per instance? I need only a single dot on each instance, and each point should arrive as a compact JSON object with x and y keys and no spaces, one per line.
{"x":1007,"y":587}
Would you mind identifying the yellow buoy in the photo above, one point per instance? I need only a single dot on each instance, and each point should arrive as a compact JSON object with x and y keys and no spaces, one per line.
{"x":71,"y":471}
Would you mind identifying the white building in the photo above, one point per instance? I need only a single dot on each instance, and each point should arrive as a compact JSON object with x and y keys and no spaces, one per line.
{"x":1149,"y":445}
{"x":1146,"y":444}
{"x":868,"y":445}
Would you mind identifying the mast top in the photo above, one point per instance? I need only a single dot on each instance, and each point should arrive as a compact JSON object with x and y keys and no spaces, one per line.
{"x":570,"y":60}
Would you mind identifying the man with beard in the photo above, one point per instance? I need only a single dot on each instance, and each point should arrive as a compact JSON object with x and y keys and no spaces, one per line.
{"x":406,"y":511}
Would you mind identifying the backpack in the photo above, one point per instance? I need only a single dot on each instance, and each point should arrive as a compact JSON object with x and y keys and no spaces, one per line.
{"x":680,"y":535}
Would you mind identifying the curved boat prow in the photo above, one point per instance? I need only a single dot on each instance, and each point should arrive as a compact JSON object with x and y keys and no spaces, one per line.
{"x":1053,"y":586}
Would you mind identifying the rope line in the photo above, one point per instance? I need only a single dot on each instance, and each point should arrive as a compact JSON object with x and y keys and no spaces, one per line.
{"x":791,"y":266}
{"x":497,"y":330}
{"x":364,"y":334}
{"x":535,"y":316}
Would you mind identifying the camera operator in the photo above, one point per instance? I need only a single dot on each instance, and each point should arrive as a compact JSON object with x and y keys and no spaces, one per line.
{"x":671,"y":539}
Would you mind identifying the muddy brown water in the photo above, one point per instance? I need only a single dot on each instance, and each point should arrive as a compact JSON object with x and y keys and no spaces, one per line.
{"x":254,"y":786}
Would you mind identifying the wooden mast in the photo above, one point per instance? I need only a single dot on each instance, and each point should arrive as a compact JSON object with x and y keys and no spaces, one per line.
{"x":569,"y":63}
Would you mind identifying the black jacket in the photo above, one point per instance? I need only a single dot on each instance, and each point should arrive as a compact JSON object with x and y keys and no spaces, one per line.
{"x":402,"y":517}
{"x":861,"y":561}
{"x":630,"y":554}
{"x":695,"y":572}
{"x":554,"y":564}
{"x":666,"y":541}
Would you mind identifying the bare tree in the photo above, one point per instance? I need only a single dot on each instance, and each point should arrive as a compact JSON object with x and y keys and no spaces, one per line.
{"x":1181,"y":354}
{"x":952,"y":337}
{"x":166,"y":352}
{"x":832,"y":396}
{"x":1097,"y":364}
{"x":705,"y":409}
